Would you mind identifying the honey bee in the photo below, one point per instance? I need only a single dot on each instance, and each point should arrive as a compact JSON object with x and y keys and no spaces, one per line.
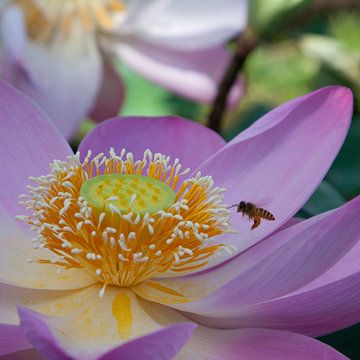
{"x":253,"y":212}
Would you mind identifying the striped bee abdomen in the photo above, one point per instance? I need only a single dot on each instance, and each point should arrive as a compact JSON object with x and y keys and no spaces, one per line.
{"x":265,"y":214}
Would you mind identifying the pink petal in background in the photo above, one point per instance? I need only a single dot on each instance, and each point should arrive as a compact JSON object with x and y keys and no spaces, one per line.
{"x":195,"y":75}
{"x":62,"y":76}
{"x":192,"y":143}
{"x":110,"y":95}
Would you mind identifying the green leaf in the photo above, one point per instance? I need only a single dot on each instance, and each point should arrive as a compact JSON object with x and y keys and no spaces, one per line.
{"x":86,"y":126}
{"x":144,"y":98}
{"x":266,"y":16}
{"x":325,"y":198}
{"x":345,"y":172}
{"x":275,"y":74}
{"x":346,"y":341}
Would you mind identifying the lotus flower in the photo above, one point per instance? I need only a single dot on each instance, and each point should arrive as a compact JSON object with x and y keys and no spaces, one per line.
{"x":59,"y":52}
{"x":131,"y":255}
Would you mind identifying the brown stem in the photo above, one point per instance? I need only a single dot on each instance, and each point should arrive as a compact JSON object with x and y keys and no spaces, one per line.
{"x":244,"y":45}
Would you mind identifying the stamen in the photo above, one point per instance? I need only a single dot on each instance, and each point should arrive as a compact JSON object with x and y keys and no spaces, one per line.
{"x":47,"y":18}
{"x":125,"y":220}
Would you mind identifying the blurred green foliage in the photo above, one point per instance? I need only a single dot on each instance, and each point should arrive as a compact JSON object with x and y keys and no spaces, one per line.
{"x":145,"y":98}
{"x":346,"y":341}
{"x":265,"y":15}
{"x":345,"y":28}
{"x":325,"y":198}
{"x":345,"y":172}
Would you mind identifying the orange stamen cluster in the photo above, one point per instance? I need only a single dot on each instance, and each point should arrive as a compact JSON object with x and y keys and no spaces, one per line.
{"x":113,"y":241}
{"x":45,"y":18}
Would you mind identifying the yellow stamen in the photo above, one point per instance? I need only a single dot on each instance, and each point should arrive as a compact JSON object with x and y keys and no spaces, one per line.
{"x":126,"y":221}
{"x":45,"y":19}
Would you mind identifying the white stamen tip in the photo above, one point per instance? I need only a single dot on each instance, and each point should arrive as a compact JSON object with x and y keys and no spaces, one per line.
{"x":102,"y":291}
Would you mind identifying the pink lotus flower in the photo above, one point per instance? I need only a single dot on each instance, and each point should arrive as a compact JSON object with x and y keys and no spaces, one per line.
{"x":148,"y":262}
{"x":60,"y":52}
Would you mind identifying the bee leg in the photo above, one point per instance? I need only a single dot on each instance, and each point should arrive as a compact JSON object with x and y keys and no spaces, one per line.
{"x":256,"y":223}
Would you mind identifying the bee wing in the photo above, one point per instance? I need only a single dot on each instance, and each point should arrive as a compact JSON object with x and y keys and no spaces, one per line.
{"x":264,"y":202}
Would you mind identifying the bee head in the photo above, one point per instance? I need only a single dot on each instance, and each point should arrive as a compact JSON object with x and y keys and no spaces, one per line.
{"x":241,"y":205}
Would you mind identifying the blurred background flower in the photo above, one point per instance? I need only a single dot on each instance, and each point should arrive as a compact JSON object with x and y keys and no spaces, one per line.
{"x":60,"y":51}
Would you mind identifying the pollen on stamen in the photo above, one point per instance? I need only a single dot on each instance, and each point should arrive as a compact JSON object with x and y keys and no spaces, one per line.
{"x":46,"y":17}
{"x":125,"y":220}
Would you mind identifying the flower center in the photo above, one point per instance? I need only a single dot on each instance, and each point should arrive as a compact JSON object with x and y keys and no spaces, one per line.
{"x":125,"y":192}
{"x":45,"y":18}
{"x":125,"y":221}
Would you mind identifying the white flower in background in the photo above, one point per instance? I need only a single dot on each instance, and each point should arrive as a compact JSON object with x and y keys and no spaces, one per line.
{"x":59,"y":51}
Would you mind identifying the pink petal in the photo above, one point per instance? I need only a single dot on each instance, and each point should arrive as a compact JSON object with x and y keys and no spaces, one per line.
{"x":193,"y":74}
{"x":317,"y":312}
{"x":37,"y":332}
{"x":62,"y":75}
{"x":280,"y":160}
{"x":111,"y":94}
{"x":281,"y":264}
{"x":286,"y":261}
{"x":21,"y":355}
{"x":28,"y":143}
{"x":14,"y":35}
{"x":47,"y":302}
{"x":12,"y":339}
{"x":189,"y":24}
{"x":255,"y":344}
{"x":327,"y":304}
{"x":89,"y":327}
{"x":163,"y":344}
{"x":15,"y":269}
{"x":170,"y":135}
{"x":290,"y":222}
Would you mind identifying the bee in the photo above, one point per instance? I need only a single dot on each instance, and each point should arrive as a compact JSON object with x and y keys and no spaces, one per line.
{"x":253,"y":212}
